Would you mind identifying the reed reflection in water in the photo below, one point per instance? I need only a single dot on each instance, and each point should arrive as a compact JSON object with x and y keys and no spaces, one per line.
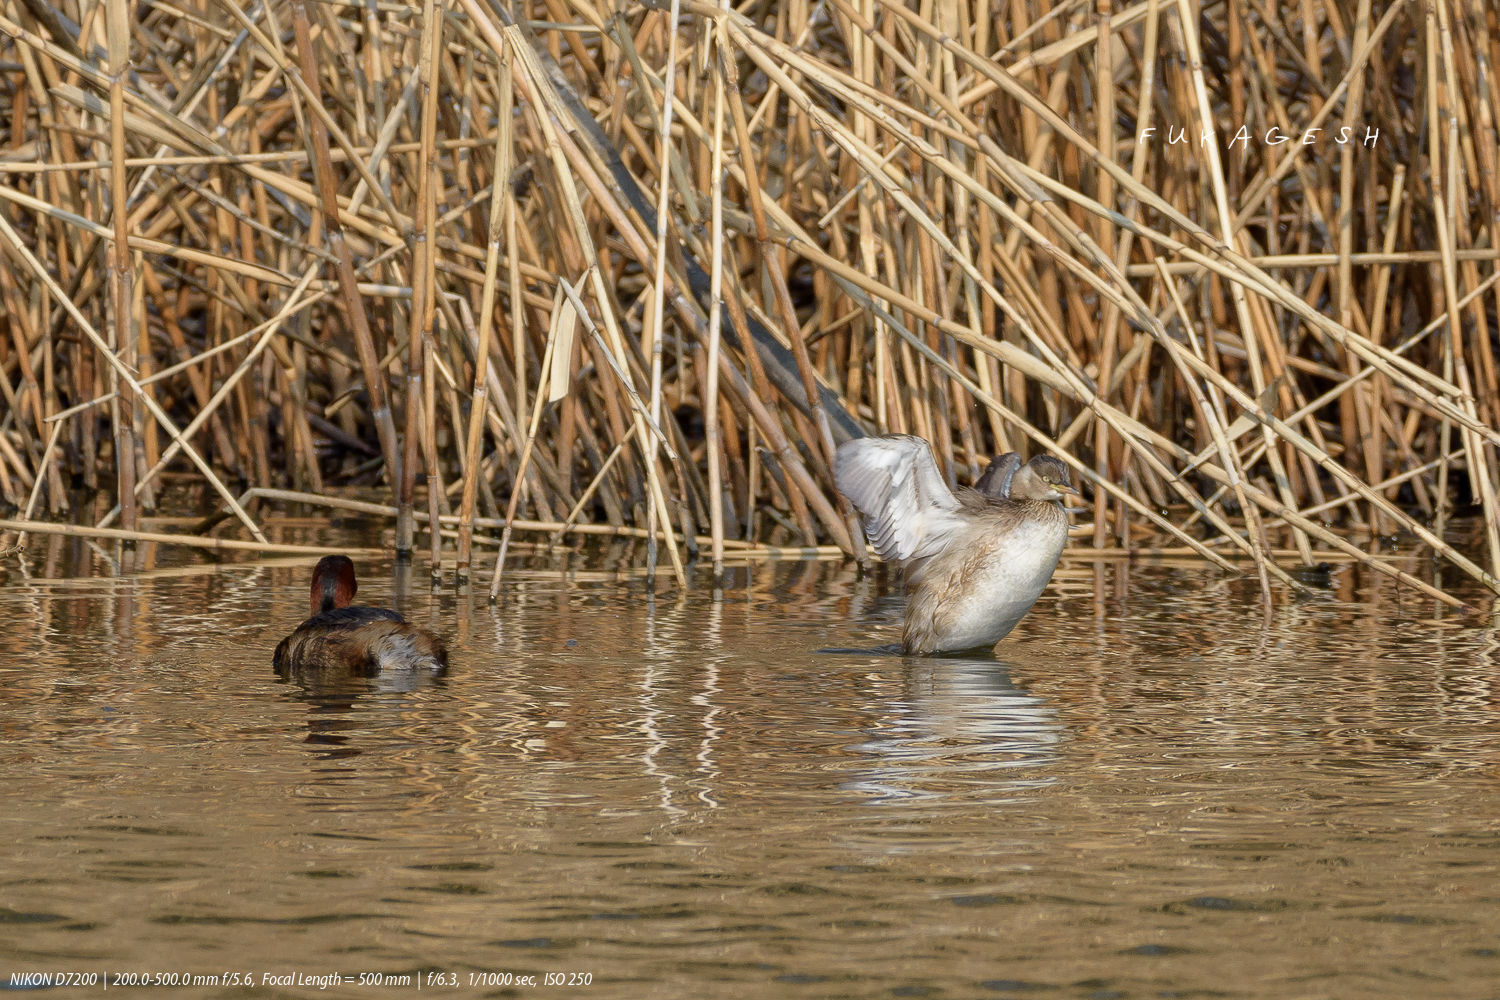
{"x":1153,"y":789}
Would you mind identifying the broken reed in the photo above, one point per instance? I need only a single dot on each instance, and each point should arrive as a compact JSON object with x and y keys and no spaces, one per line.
{"x":312,"y":244}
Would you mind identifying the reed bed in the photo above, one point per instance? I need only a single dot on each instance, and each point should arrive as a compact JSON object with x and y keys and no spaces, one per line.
{"x":641,"y":267}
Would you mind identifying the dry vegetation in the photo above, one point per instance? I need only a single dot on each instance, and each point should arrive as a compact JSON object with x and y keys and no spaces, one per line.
{"x":298,"y":246}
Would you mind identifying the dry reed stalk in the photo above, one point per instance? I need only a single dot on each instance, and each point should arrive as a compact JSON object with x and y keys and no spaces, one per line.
{"x":192,"y":541}
{"x":711,"y":434}
{"x":791,"y":225}
{"x":502,"y":218}
{"x":735,"y":546}
{"x":656,"y":309}
{"x":333,"y":233}
{"x":122,"y":336}
{"x":530,"y":442}
{"x":117,"y":367}
{"x":423,"y":273}
{"x":529,"y":73}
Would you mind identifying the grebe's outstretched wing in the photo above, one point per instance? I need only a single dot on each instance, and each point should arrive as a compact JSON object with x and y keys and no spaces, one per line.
{"x":893,"y":481}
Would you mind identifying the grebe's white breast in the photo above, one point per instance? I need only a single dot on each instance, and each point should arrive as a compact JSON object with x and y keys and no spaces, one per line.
{"x":997,"y":580}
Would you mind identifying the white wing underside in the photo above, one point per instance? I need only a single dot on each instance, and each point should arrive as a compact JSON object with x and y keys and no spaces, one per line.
{"x":908,"y":510}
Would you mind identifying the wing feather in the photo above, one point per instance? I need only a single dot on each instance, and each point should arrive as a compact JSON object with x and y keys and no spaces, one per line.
{"x":893,"y":481}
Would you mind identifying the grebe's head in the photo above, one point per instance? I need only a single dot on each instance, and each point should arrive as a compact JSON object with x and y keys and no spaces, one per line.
{"x":1042,"y":478}
{"x":333,"y":584}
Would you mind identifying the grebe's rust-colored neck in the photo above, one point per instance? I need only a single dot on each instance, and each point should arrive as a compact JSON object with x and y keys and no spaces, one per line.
{"x":333,"y":584}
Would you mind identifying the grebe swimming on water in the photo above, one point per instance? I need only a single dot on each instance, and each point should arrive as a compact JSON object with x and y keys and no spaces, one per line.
{"x":362,"y":640}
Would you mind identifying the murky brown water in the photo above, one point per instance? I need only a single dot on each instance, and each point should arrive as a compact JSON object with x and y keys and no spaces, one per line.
{"x":1153,"y":792}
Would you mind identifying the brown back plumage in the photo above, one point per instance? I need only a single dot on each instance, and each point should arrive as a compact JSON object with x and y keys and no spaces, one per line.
{"x":361,"y":650}
{"x":361,"y":641}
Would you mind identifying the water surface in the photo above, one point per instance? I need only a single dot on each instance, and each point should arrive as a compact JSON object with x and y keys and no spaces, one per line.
{"x":1153,"y":790}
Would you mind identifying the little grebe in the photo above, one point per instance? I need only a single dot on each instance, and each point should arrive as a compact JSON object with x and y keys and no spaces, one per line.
{"x":362,"y":640}
{"x":975,"y":563}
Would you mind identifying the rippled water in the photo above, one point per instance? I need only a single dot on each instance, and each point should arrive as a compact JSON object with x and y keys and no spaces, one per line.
{"x":1154,"y":791}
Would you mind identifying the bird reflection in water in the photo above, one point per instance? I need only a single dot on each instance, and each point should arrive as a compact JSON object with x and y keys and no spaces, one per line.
{"x":335,"y":716}
{"x":962,"y":732}
{"x":342,"y":653}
